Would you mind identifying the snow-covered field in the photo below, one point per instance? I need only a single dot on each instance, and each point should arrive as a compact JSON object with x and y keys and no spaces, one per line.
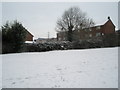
{"x":0,"y":72}
{"x":90,"y":68}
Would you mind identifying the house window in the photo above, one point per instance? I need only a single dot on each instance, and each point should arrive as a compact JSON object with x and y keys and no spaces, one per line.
{"x":98,"y":34}
{"x":59,"y":39}
{"x":90,"y":35}
{"x":85,"y":29}
{"x":102,"y":33}
{"x":90,"y":29}
{"x":97,"y":28}
{"x":86,"y":35}
{"x":64,"y":38}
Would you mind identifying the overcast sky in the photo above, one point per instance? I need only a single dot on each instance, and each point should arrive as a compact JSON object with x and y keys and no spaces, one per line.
{"x":40,"y":17}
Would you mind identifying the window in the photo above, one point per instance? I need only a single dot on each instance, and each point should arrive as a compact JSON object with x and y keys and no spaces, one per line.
{"x":97,"y":28}
{"x":98,"y":34}
{"x":102,"y":33}
{"x":90,"y":35}
{"x":64,"y":38}
{"x":59,"y":39}
{"x":86,"y":35}
{"x":90,"y":29}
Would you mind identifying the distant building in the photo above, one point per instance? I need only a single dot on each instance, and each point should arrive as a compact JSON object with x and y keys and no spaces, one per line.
{"x":29,"y":36}
{"x":45,"y":40}
{"x":41,"y":40}
{"x":90,"y":32}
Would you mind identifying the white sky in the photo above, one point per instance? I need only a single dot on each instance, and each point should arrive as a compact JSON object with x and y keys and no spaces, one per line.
{"x":40,"y":17}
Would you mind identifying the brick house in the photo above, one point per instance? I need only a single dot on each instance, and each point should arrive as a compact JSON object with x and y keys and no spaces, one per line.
{"x":29,"y":36}
{"x":90,"y":32}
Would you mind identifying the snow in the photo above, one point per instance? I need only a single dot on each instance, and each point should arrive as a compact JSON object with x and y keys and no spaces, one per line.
{"x":28,"y":41}
{"x":0,"y":72}
{"x":90,"y":68}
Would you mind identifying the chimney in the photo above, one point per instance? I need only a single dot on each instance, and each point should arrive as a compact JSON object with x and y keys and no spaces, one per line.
{"x":108,"y":17}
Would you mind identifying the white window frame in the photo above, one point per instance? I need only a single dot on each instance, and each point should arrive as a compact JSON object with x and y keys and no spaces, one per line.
{"x":102,"y":33}
{"x":90,"y":29}
{"x":98,"y":28}
{"x":90,"y":35}
{"x":98,"y":34}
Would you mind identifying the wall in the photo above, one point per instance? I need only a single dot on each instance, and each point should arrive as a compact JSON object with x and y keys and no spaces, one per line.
{"x":29,"y":37}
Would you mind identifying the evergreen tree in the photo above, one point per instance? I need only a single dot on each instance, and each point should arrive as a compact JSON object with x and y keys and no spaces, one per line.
{"x":13,"y":37}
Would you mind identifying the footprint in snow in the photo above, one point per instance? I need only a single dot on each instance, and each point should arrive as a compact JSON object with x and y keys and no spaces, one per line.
{"x":56,"y":86}
{"x":21,"y":81}
{"x":103,"y":68}
{"x":59,"y":69}
{"x":79,"y":71}
{"x":65,"y":68}
{"x":26,"y":77}
{"x":115,"y":67}
{"x":9,"y":79}
{"x":84,"y":62}
{"x":62,"y":79}
{"x":18,"y":78}
{"x":13,"y":82}
{"x":104,"y":82}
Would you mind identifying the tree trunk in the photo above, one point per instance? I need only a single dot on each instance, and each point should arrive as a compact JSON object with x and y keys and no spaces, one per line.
{"x":70,"y":34}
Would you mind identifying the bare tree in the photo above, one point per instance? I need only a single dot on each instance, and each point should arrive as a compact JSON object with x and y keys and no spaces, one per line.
{"x":73,"y":19}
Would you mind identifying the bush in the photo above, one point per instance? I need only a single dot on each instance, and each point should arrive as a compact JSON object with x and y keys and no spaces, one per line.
{"x":42,"y":47}
{"x":85,"y":44}
{"x":110,"y":40}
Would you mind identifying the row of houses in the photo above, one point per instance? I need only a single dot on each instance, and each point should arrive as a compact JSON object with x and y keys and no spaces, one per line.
{"x":107,"y":28}
{"x":91,"y":32}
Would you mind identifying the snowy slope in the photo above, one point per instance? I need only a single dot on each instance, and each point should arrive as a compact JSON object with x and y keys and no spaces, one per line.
{"x":0,"y":72}
{"x":92,"y":68}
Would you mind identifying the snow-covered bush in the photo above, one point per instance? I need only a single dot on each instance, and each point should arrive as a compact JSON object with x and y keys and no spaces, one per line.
{"x":43,"y":47}
{"x":98,"y":42}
